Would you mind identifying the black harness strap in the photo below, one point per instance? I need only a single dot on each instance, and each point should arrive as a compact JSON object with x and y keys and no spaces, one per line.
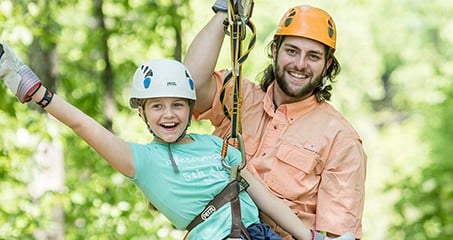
{"x":236,"y":225}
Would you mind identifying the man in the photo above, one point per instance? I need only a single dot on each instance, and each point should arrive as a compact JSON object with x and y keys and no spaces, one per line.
{"x":296,"y":143}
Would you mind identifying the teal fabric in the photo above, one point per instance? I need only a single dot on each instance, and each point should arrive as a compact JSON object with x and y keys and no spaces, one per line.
{"x":181,"y":196}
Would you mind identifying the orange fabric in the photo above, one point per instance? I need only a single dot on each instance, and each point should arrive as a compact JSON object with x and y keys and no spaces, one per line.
{"x":305,"y":152}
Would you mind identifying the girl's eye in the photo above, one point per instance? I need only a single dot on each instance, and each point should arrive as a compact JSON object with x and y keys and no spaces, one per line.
{"x":178,"y":104}
{"x":156,"y":106}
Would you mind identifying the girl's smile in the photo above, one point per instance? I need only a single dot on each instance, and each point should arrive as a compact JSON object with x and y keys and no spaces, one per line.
{"x":167,"y":117}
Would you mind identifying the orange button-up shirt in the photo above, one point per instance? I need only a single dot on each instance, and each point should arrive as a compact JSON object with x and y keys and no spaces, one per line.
{"x":306,"y":152}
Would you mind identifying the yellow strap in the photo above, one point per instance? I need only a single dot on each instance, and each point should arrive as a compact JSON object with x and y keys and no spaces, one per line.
{"x":238,"y":21}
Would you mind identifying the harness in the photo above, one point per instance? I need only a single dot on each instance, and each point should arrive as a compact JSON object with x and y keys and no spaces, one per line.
{"x":235,"y":26}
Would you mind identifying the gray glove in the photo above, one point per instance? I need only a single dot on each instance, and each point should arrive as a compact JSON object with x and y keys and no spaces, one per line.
{"x":242,"y":7}
{"x":17,"y":76}
{"x":346,"y":236}
{"x":221,"y":5}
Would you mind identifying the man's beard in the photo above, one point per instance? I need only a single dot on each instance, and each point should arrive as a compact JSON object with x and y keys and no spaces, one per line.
{"x":300,"y":93}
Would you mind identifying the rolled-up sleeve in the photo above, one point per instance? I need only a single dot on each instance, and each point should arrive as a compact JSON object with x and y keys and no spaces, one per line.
{"x":342,"y":189}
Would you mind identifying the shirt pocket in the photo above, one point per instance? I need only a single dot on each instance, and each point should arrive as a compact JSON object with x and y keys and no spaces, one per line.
{"x":295,"y":171}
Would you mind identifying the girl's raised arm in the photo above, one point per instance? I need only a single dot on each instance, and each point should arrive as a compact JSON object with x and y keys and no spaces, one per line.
{"x":23,"y":82}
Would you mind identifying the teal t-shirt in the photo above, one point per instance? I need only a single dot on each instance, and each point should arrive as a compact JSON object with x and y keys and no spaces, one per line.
{"x":182,"y":196}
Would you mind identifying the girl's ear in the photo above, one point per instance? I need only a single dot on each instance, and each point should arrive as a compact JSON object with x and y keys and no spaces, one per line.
{"x":141,"y":113}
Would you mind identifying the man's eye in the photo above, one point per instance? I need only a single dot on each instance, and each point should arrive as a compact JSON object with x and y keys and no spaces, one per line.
{"x":314,"y":57}
{"x":291,"y":51}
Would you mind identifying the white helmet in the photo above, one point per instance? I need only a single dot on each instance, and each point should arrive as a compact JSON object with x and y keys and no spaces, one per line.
{"x":161,"y":78}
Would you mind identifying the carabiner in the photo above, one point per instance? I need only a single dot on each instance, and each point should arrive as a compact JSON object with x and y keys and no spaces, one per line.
{"x":239,"y":144}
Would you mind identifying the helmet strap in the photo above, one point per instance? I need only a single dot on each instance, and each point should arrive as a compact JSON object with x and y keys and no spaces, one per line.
{"x":172,"y":159}
{"x":170,"y":154}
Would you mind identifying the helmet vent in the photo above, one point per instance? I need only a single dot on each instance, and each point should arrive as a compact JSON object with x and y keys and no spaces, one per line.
{"x":191,"y":84}
{"x":146,"y":82}
{"x":331,"y":27}
{"x":148,"y":73}
{"x":289,"y":19}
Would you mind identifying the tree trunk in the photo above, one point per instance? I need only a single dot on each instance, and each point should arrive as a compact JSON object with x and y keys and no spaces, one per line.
{"x":177,"y":27}
{"x":107,"y":74}
{"x":48,"y":175}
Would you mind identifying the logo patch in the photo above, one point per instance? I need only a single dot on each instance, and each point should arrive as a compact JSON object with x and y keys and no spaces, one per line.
{"x":172,"y":84}
{"x":208,"y":212}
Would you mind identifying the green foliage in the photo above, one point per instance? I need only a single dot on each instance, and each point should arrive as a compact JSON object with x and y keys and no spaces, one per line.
{"x":395,"y":87}
{"x":421,"y":84}
{"x":425,"y":207}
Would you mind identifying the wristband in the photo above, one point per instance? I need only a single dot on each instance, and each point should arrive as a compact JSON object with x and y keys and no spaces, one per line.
{"x":46,"y":99}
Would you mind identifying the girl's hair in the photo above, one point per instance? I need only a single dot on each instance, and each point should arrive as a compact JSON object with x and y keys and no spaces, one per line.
{"x":322,"y":92}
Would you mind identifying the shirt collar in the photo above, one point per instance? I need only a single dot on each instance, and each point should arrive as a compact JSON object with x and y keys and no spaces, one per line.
{"x":292,"y":111}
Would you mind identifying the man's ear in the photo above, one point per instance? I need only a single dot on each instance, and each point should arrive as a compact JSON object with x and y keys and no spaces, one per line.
{"x":274,"y":51}
{"x":329,"y":62}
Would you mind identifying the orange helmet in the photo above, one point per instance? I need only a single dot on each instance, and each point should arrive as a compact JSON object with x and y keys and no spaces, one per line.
{"x":308,"y":22}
